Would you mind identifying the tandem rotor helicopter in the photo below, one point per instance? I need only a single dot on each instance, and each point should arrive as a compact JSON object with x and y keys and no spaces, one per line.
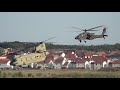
{"x":90,"y":36}
{"x":31,"y":59}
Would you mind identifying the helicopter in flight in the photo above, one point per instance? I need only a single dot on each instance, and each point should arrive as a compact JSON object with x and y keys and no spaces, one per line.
{"x":30,"y":59}
{"x":90,"y":36}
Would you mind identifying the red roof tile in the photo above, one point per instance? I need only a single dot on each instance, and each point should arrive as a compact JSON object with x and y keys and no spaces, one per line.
{"x":49,"y":57}
{"x":88,"y":54}
{"x":74,"y":59}
{"x":114,"y":52}
{"x":71,"y":55}
{"x":101,"y":53}
{"x":4,"y":61}
{"x":99,"y":59}
{"x":81,"y":61}
{"x":47,"y":61}
{"x":116,"y":62}
{"x":60,"y":58}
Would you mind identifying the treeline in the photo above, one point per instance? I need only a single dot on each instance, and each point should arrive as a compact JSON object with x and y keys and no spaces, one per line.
{"x":16,"y":45}
{"x":106,"y":47}
{"x":25,"y":46}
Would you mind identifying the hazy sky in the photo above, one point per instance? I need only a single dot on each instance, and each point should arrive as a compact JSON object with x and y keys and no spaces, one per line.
{"x":39,"y":26}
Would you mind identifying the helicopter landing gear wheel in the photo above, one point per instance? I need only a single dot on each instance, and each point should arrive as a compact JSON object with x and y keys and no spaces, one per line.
{"x":84,"y":41}
{"x":80,"y":40}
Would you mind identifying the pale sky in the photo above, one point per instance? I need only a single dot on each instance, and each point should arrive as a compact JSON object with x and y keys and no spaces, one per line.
{"x":39,"y":26}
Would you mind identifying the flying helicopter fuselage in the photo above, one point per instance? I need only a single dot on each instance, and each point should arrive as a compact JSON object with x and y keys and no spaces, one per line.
{"x":40,"y":53}
{"x":90,"y":36}
{"x":87,"y":35}
{"x":30,"y":58}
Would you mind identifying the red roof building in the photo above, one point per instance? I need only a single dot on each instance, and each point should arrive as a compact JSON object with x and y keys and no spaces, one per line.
{"x":4,"y":61}
{"x":87,"y":54}
{"x":101,"y":54}
{"x":99,"y":59}
{"x":116,"y":62}
{"x":71,"y":55}
{"x":114,"y":52}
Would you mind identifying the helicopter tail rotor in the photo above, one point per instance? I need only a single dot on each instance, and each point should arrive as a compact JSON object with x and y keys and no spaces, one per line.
{"x":47,"y":40}
{"x":104,"y":32}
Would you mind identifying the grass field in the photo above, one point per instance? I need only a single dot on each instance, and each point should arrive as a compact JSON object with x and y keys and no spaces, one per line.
{"x":64,"y":73}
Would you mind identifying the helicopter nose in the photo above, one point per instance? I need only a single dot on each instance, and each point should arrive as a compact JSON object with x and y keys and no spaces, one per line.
{"x":77,"y":37}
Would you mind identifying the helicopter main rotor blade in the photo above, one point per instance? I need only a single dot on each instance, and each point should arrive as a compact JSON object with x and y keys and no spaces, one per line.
{"x":94,"y":27}
{"x":48,"y":39}
{"x":77,"y":28}
{"x":50,"y":42}
{"x":90,"y":30}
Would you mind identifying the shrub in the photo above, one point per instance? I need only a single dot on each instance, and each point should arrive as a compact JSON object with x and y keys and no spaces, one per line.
{"x":109,"y":69}
{"x":9,"y":74}
{"x":30,"y":75}
{"x":4,"y":75}
{"x":0,"y":73}
{"x":19,"y":74}
{"x":38,"y":74}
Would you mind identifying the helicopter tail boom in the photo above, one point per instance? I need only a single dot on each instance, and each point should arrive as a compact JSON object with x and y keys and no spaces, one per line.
{"x":104,"y":36}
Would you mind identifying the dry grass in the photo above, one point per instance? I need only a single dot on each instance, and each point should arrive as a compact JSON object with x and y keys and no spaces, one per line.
{"x":64,"y":73}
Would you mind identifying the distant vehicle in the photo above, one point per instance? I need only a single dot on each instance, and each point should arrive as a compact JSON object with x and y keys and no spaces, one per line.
{"x":90,"y":36}
{"x":31,"y":59}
